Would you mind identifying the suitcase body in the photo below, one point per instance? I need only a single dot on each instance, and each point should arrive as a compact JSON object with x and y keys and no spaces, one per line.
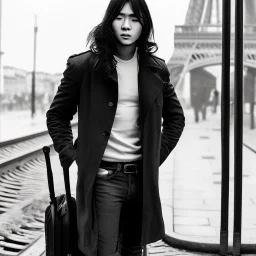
{"x":61,"y":237}
{"x":62,"y":227}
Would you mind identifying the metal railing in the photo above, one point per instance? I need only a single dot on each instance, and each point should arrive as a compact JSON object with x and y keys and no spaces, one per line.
{"x":238,"y":128}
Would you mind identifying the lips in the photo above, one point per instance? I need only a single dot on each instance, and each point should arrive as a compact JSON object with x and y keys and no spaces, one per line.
{"x":126,"y":35}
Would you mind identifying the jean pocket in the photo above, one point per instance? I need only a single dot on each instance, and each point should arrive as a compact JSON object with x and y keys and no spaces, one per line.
{"x":105,"y":174}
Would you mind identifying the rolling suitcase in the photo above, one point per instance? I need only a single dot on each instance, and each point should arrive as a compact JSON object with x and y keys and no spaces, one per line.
{"x":61,"y":237}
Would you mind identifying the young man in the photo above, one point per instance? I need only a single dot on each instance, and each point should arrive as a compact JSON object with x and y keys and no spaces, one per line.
{"x":122,"y":92}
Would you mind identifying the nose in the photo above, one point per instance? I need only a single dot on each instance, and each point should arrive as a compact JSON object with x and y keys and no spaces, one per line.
{"x":126,"y":25}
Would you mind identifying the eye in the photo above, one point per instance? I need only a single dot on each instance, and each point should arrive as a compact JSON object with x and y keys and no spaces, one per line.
{"x":118,"y":18}
{"x":135,"y":20}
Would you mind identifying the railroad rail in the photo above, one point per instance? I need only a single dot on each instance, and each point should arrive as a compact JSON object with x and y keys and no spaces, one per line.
{"x":23,"y":194}
{"x":12,"y":151}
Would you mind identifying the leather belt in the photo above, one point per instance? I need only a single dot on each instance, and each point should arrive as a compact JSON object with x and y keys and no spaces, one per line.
{"x":127,"y":168}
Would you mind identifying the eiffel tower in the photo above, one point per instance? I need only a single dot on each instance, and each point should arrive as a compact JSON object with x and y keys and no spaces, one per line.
{"x":198,"y":44}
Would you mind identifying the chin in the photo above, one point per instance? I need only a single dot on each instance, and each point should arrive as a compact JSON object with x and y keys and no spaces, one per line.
{"x":125,"y":43}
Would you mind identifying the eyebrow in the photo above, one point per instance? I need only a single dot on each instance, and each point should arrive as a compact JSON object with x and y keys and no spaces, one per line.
{"x":131,"y":15}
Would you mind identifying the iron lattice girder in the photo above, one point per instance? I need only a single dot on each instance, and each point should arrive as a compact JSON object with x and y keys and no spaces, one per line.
{"x":198,"y":48}
{"x":203,"y":12}
{"x":194,"y":12}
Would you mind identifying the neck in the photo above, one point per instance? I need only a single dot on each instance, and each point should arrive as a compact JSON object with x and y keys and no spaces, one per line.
{"x":125,"y":52}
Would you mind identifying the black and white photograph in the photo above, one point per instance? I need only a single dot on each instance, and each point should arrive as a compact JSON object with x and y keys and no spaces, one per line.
{"x":127,"y":127}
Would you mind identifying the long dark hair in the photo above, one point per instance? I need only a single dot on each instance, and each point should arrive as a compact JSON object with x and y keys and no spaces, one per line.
{"x":103,"y":41}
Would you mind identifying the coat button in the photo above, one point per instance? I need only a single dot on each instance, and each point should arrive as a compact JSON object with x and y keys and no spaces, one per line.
{"x":105,"y":133}
{"x":110,"y":104}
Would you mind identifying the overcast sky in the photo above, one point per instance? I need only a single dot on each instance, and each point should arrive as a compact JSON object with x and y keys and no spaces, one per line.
{"x":63,"y":26}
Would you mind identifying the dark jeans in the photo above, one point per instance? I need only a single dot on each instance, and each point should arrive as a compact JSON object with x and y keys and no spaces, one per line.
{"x":118,"y":199}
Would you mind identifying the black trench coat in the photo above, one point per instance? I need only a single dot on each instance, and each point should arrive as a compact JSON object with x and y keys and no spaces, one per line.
{"x":84,"y":88}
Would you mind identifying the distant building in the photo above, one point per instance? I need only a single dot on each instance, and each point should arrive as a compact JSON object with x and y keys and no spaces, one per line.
{"x":17,"y":86}
{"x":15,"y":81}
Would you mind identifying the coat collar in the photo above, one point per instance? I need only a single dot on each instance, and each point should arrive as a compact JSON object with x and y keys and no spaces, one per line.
{"x":149,"y":61}
{"x":145,"y":62}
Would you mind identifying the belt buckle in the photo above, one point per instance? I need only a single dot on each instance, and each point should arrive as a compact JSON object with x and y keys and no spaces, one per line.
{"x":129,"y":165}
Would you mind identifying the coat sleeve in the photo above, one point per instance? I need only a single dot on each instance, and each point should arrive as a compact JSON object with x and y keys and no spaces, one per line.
{"x":61,"y":112}
{"x":173,"y":118}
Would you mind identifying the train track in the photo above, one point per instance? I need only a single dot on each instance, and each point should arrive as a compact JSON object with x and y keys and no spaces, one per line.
{"x":23,"y":194}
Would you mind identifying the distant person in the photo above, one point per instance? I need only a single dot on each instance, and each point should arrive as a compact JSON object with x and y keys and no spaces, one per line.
{"x":200,"y":100}
{"x":121,"y":91}
{"x":215,"y":101}
{"x":199,"y":106}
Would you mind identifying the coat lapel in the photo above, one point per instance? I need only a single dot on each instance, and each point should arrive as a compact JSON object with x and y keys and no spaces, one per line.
{"x":149,"y":81}
{"x":113,"y":75}
{"x":150,"y":84}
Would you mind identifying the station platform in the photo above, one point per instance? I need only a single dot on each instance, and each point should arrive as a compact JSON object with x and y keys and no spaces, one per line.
{"x":190,"y":184}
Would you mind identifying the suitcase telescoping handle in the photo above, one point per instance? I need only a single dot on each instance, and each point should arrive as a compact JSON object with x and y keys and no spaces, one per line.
{"x":46,"y":151}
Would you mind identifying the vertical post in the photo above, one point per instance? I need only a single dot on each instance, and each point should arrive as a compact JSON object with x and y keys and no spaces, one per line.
{"x":225,"y":124}
{"x":1,"y":85}
{"x":33,"y":109}
{"x":1,"y":75}
{"x":252,"y":101}
{"x":238,"y":127}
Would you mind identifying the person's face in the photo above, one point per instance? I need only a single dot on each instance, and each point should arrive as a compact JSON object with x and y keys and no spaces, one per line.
{"x":126,"y":26}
